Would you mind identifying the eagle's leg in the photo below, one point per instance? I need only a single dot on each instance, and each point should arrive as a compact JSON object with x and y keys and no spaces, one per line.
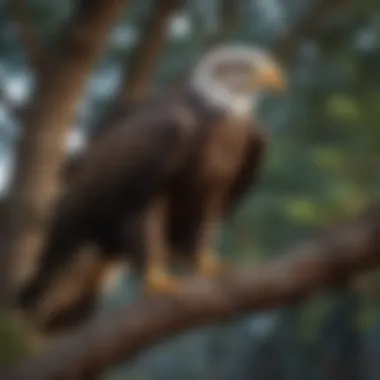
{"x":208,"y":264}
{"x":207,"y":260}
{"x":157,"y":277}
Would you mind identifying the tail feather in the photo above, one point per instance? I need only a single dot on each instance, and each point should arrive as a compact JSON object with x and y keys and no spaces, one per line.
{"x":58,"y":298}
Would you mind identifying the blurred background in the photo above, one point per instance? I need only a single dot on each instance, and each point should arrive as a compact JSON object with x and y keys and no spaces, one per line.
{"x":323,"y":165}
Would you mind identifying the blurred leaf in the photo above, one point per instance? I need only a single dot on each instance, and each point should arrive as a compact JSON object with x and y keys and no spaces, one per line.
{"x":344,"y":108}
{"x":305,"y":211}
{"x":13,"y":346}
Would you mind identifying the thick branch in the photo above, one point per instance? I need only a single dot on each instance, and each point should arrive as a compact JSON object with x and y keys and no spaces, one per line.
{"x":295,"y":275}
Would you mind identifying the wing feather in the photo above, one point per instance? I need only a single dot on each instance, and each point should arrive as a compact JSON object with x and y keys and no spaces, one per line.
{"x":116,"y":179}
{"x":249,"y":172}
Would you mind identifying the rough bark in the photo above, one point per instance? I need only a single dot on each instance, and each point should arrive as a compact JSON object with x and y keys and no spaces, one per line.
{"x":46,"y":122}
{"x":298,"y":273}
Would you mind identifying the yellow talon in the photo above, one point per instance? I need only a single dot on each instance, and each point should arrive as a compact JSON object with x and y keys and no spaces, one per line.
{"x":158,"y":281}
{"x":209,"y":265}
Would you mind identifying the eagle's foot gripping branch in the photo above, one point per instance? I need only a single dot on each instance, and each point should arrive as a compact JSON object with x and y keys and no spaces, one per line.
{"x":209,"y":265}
{"x":159,"y":281}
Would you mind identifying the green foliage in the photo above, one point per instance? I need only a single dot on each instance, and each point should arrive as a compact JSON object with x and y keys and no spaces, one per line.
{"x":13,"y":346}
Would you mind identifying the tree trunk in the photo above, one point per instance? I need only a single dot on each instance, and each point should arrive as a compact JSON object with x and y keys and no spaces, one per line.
{"x":47,"y":121}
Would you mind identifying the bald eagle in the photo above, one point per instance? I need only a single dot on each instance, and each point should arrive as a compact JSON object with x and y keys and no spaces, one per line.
{"x":156,"y":186}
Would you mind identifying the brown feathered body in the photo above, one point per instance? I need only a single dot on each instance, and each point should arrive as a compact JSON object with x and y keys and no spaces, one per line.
{"x":176,"y":150}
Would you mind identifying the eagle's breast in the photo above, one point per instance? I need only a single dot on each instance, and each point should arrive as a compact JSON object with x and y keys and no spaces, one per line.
{"x":224,"y":150}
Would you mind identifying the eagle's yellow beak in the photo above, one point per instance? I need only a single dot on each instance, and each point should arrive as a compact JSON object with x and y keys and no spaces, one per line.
{"x":272,"y":78}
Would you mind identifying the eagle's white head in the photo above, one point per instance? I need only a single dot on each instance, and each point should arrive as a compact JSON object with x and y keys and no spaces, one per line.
{"x":233,"y":77}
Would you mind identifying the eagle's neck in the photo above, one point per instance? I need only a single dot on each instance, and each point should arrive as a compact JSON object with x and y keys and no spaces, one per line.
{"x":236,"y":105}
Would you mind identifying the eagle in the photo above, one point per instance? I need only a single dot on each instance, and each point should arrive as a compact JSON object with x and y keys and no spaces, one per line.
{"x":154,"y":188}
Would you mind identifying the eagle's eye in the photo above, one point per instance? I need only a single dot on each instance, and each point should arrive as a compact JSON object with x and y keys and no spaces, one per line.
{"x":235,"y":75}
{"x":233,"y":67}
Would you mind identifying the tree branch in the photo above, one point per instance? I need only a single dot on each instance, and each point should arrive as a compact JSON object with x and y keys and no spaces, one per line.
{"x":298,"y":273}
